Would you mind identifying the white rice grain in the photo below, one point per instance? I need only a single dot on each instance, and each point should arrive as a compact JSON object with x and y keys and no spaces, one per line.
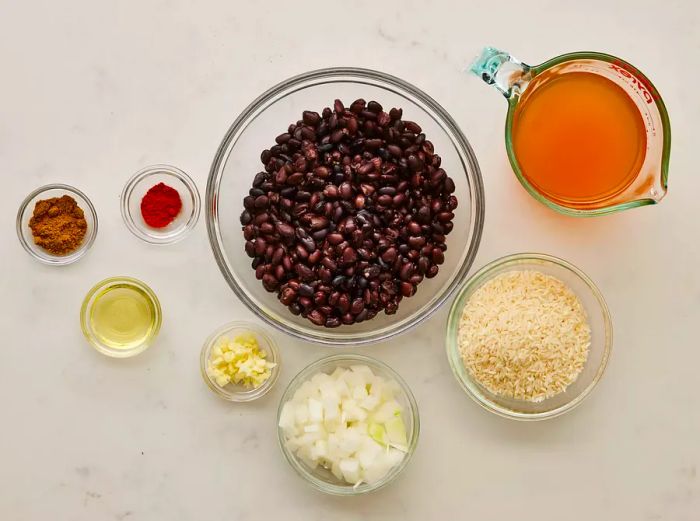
{"x":524,"y":335}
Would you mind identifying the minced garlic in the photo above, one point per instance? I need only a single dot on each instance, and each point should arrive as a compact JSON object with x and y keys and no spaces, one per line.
{"x":239,"y":361}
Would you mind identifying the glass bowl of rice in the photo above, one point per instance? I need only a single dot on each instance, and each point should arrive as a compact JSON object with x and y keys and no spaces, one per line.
{"x":529,"y":336}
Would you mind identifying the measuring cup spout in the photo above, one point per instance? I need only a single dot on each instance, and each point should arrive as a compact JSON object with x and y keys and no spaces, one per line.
{"x":498,"y":68}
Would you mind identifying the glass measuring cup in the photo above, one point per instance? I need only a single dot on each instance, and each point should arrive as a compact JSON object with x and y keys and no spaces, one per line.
{"x":648,"y":181}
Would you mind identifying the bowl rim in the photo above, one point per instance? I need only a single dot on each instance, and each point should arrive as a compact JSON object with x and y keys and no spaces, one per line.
{"x":302,"y":470}
{"x":140,"y":231}
{"x":452,"y":348}
{"x":371,"y":77}
{"x":58,"y":260}
{"x":88,"y":302}
{"x":273,"y":355}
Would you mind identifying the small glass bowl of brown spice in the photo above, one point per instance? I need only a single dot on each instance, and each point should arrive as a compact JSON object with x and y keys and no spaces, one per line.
{"x":56,"y":224}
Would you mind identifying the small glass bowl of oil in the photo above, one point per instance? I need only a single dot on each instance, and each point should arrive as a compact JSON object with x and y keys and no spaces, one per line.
{"x":120,"y":317}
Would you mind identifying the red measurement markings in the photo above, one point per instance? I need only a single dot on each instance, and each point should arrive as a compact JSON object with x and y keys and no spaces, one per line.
{"x":642,"y":85}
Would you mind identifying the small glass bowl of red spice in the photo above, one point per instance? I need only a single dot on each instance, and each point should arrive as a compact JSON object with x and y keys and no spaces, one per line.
{"x":160,"y":204}
{"x":56,"y":224}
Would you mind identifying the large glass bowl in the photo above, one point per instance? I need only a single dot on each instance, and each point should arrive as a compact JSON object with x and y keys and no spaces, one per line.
{"x":238,"y":160}
{"x":323,"y":479}
{"x":598,"y":352}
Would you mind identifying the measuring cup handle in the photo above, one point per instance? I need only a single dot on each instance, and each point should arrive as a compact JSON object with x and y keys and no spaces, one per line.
{"x":498,"y":68}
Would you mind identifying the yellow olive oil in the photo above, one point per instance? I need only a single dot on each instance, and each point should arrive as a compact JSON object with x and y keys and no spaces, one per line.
{"x":123,"y":316}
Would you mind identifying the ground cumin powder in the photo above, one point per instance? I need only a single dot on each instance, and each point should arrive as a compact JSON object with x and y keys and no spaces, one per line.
{"x":58,"y":224}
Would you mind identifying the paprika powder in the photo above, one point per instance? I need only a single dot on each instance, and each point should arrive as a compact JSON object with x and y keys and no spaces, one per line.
{"x":160,"y":206}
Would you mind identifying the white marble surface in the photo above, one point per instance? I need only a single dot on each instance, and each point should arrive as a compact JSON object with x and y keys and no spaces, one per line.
{"x":92,"y":91}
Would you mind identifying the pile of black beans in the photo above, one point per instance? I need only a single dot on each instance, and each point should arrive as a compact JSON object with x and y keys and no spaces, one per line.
{"x":349,"y":215}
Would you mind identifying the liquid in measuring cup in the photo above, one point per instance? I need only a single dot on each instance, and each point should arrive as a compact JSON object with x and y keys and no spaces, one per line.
{"x":586,"y":132}
{"x":578,"y":137}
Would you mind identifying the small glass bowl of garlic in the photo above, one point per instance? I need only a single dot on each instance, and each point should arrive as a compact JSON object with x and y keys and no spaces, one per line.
{"x":240,"y":362}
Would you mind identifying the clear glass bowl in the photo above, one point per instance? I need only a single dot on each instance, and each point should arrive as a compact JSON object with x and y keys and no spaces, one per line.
{"x":238,"y":393}
{"x":322,"y":479}
{"x":96,"y":292}
{"x":598,"y":354}
{"x":26,"y":210}
{"x":144,"y":180}
{"x":238,"y":160}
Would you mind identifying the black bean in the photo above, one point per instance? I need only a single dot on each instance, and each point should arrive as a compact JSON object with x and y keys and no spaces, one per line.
{"x":389,"y":255}
{"x":357,"y":106}
{"x":423,"y":215}
{"x":407,"y":289}
{"x":406,"y":271}
{"x":287,"y":296}
{"x":414,"y":228}
{"x":304,"y":272}
{"x":349,"y":255}
{"x":270,"y":282}
{"x":332,"y":322}
{"x":285,"y":230}
{"x":357,"y":306}
{"x":317,"y":317}
{"x":317,"y":222}
{"x":301,"y":252}
{"x":445,"y":217}
{"x":375,"y":107}
{"x":343,"y":304}
{"x":260,"y":246}
{"x":305,"y":290}
{"x":394,"y":150}
{"x":385,"y":200}
{"x":329,"y":263}
{"x":319,"y":235}
{"x":250,"y":248}
{"x":311,"y":118}
{"x":410,"y":126}
{"x":352,"y":200}
{"x":334,"y":238}
{"x":345,"y":191}
{"x":309,"y":244}
{"x":302,"y":196}
{"x":266,"y":228}
{"x":325,"y":274}
{"x":366,"y":168}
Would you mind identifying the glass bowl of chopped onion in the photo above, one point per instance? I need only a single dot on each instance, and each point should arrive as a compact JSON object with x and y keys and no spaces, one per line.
{"x":529,"y":336}
{"x":240,"y":362}
{"x":348,"y":424}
